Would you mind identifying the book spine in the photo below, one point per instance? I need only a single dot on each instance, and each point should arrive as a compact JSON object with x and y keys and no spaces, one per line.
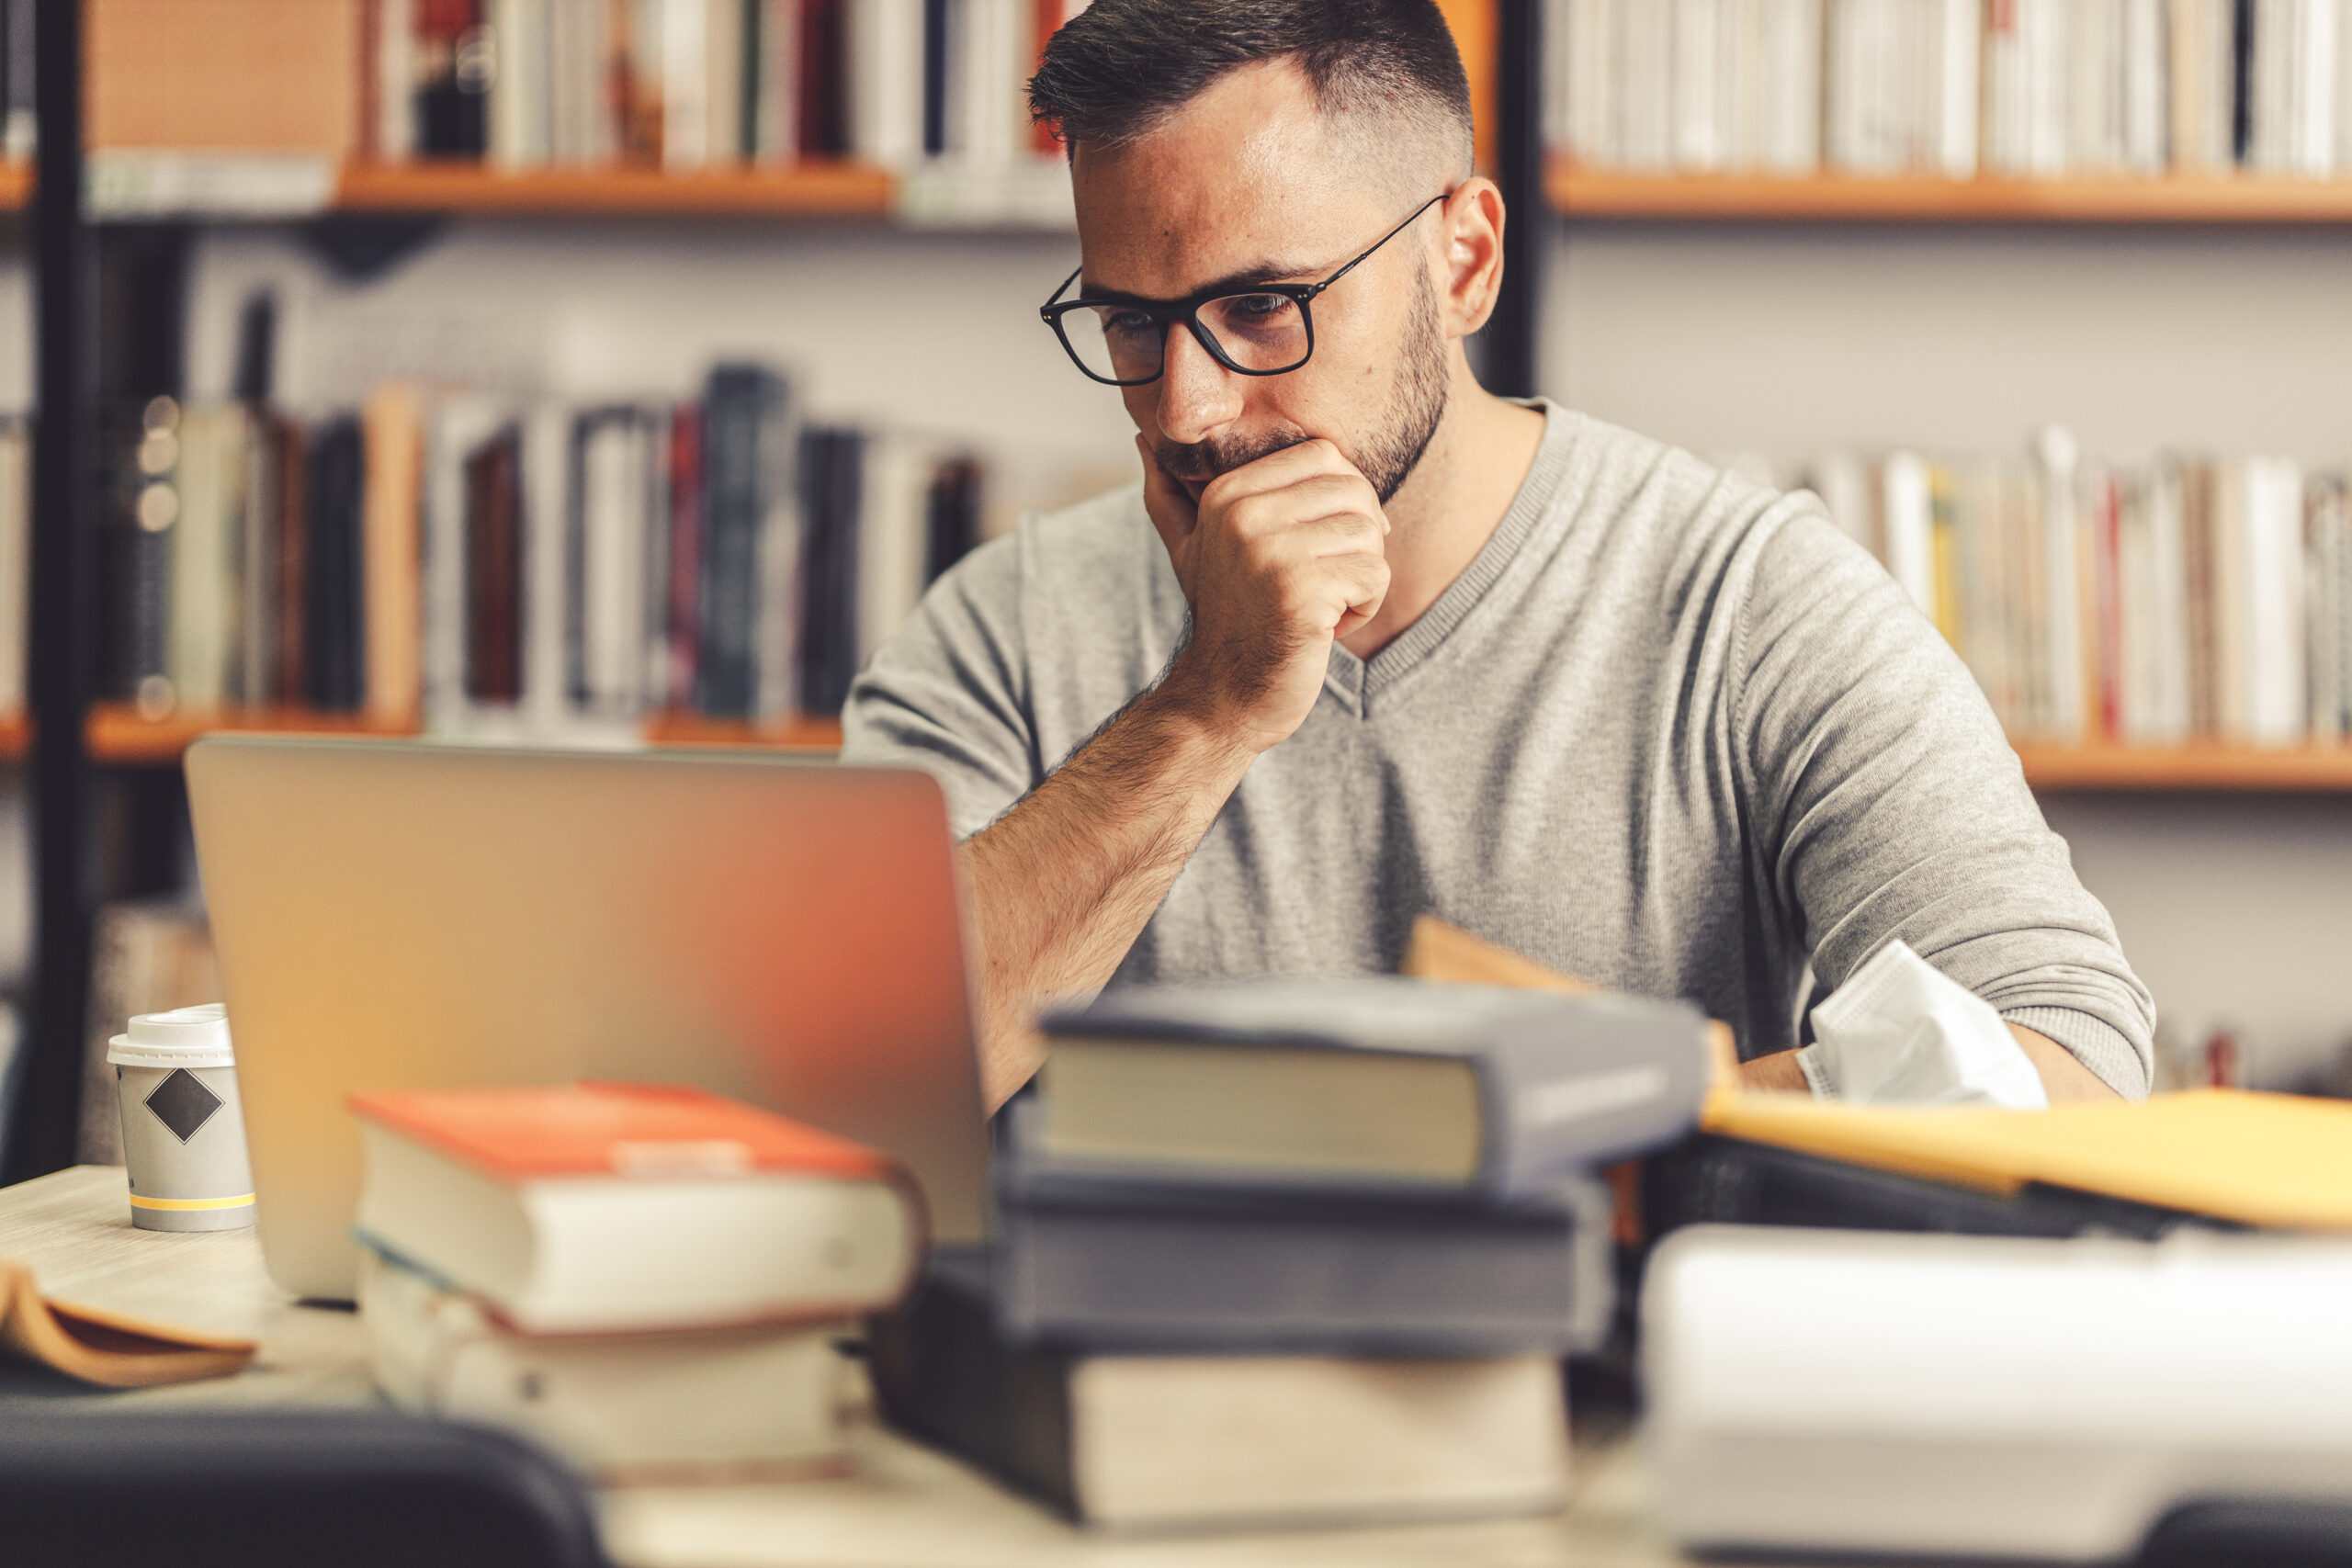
{"x":392,"y":546}
{"x":737,"y":405}
{"x":494,"y":576}
{"x":687,"y":515}
{"x":1087,"y":1270}
{"x":334,"y":605}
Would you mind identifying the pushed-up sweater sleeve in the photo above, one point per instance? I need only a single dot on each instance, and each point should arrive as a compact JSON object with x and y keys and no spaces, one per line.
{"x":1884,"y":801}
{"x":946,"y":693}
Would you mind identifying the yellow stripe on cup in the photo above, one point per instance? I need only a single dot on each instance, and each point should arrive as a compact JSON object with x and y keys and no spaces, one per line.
{"x":242,"y":1202}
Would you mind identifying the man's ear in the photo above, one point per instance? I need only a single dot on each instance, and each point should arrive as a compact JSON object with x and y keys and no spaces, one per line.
{"x":1470,"y":229}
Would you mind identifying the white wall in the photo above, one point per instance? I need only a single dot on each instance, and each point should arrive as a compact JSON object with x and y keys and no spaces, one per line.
{"x":2237,"y":910}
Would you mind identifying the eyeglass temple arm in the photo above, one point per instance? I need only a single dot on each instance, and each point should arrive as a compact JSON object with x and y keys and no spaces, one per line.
{"x":1392,"y":234}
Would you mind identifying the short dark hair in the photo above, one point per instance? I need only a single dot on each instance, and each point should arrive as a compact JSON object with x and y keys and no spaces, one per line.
{"x":1120,"y":67}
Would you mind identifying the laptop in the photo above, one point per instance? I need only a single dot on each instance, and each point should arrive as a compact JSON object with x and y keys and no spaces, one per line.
{"x":393,"y":914}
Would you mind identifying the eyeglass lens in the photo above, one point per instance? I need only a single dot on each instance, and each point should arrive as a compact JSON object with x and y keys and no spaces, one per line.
{"x":1257,"y":332}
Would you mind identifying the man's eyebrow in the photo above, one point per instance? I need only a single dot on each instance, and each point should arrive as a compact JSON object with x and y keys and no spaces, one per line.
{"x":1234,"y":282}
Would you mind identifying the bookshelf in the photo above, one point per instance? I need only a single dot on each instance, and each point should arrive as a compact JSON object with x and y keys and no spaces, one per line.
{"x":1578,"y":192}
{"x":805,"y":190}
{"x":16,"y":185}
{"x":2248,"y":770}
{"x":118,"y":736}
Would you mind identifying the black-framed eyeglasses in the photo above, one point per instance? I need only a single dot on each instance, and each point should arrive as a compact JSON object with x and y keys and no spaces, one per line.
{"x":1264,"y":330}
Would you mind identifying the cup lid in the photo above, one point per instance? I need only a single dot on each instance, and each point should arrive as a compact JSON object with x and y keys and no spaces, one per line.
{"x":183,"y":1037}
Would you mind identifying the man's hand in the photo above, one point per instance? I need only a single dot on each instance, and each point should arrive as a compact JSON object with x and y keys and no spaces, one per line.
{"x":1279,"y":559}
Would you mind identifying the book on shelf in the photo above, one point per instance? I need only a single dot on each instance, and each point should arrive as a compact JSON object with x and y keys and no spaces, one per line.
{"x":1106,"y":1255}
{"x":2181,"y":599}
{"x":761,"y":1400}
{"x":2026,"y":89}
{"x":501,"y":567}
{"x":1373,"y":1083}
{"x":15,"y":562}
{"x":19,"y":129}
{"x":1172,"y":1441}
{"x":616,"y":1208}
{"x":688,"y":85}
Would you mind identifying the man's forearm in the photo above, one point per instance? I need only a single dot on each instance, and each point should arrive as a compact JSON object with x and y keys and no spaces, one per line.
{"x":1063,"y":882}
{"x":2064,"y":1079}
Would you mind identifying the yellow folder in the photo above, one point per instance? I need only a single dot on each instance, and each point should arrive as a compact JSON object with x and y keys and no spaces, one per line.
{"x":2262,"y":1159}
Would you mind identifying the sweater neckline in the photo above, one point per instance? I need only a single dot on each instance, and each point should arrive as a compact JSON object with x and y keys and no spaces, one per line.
{"x":1355,"y":681}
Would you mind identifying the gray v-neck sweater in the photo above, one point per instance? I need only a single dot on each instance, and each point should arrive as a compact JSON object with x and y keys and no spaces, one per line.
{"x":1670,"y":731}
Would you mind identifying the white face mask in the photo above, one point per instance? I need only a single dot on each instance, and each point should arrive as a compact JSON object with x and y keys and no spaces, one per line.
{"x":1900,"y":1032}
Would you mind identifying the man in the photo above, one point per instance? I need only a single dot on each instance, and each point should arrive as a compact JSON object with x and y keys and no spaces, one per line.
{"x":1367,"y":641}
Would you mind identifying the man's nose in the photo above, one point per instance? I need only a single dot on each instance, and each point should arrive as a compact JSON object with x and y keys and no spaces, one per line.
{"x":1198,"y":397}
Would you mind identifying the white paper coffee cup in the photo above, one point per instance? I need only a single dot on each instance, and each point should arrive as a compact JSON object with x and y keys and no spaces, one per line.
{"x":183,"y":1127}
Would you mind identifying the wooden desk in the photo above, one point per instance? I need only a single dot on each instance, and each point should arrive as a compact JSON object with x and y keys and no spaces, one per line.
{"x":906,"y":1506}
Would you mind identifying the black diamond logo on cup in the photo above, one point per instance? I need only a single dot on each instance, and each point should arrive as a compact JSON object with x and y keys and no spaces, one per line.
{"x":183,"y":1104}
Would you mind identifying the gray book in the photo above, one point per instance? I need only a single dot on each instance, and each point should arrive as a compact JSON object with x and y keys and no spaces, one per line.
{"x":1372,"y":1084}
{"x":1103,"y":1258}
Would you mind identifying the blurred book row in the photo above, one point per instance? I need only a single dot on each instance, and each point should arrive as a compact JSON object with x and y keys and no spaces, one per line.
{"x":513,"y":568}
{"x":2183,"y":598}
{"x":688,"y":84}
{"x":18,"y":127}
{"x":2018,"y":88}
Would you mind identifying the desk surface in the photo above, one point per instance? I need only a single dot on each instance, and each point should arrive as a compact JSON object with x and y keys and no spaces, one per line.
{"x":903,"y":1506}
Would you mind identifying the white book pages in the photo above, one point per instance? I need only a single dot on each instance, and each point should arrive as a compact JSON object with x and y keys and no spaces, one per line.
{"x":1644,"y":84}
{"x":16,"y":563}
{"x":776,"y":117}
{"x":2094,"y":82}
{"x":2047,"y":42}
{"x":2168,"y":705}
{"x":1574,"y":78}
{"x":520,"y":92}
{"x":1931,"y":1373}
{"x":987,"y":109}
{"x":893,"y":534}
{"x":2344,"y":87}
{"x":2276,"y":708}
{"x":723,"y":99}
{"x":1842,"y":480}
{"x":2312,"y":150}
{"x":2329,"y":509}
{"x":685,"y":83}
{"x":777,"y":651}
{"x":2233,"y":593}
{"x":1701,"y":137}
{"x":1954,"y":55}
{"x":2145,"y":129}
{"x":201,"y":590}
{"x":546,"y":506}
{"x":396,"y":81}
{"x":1740,"y":83}
{"x":2058,"y":650}
{"x":2270,"y":84}
{"x":606,"y":560}
{"x":2007,"y":141}
{"x":1907,"y":518}
{"x":885,"y":49}
{"x":1791,"y":107}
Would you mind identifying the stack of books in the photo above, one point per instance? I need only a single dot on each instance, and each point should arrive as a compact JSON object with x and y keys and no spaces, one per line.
{"x":653,"y":1282}
{"x":1291,"y":1252}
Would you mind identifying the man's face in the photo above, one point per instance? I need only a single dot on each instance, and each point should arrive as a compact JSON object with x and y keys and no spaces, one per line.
{"x":1245,"y":185}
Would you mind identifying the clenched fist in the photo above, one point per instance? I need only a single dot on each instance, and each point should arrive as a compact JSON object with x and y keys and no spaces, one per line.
{"x":1278,"y":557}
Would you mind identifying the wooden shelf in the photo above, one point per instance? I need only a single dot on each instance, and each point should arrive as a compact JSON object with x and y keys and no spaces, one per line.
{"x":816,"y":190}
{"x":2307,"y":770}
{"x":120,"y":735}
{"x":1582,"y":192}
{"x":15,"y":184}
{"x":800,"y":733}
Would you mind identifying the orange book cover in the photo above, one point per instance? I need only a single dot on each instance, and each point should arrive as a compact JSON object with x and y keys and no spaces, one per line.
{"x":525,"y":1134}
